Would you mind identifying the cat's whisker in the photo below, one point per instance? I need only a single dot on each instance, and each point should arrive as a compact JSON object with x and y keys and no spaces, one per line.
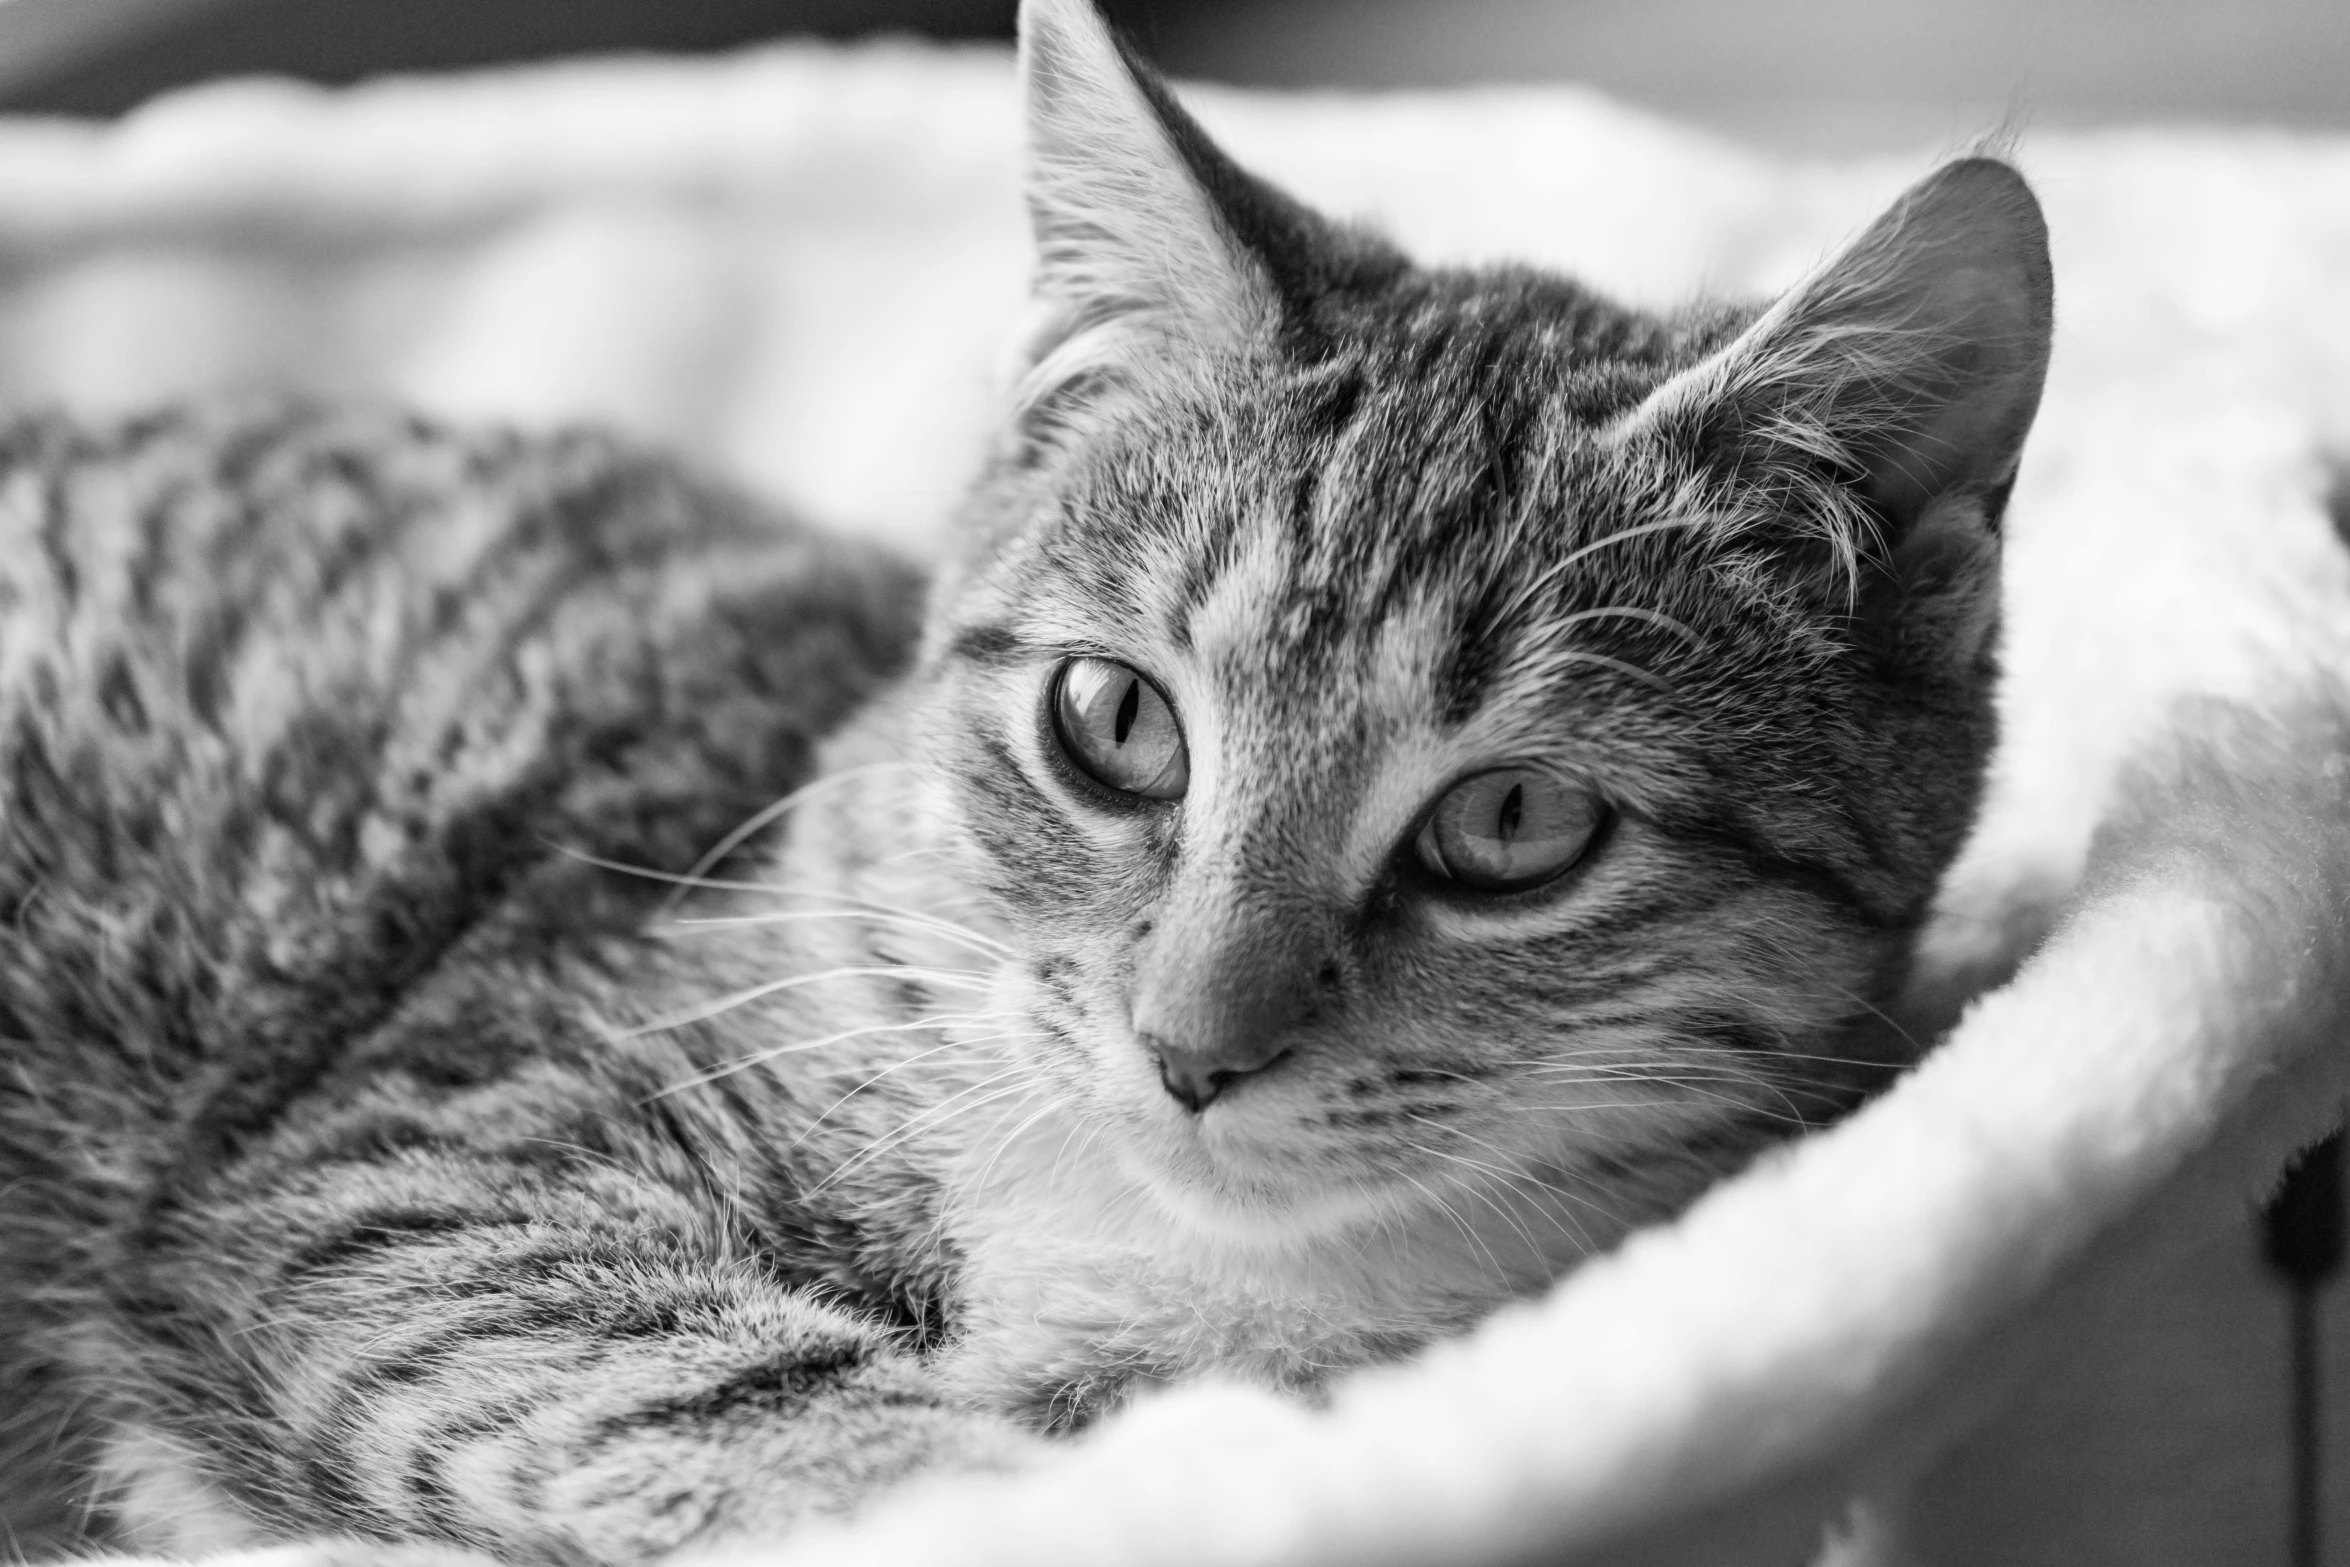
{"x":1791,"y":1117}
{"x":649,"y":873}
{"x":767,"y":815}
{"x":835,"y":895}
{"x":585,"y":1154}
{"x":1568,"y":562}
{"x":1673,"y":1075}
{"x":1592,"y":1106}
{"x":1661,"y":621}
{"x":723,"y":884}
{"x":1576,"y":655}
{"x":1678,"y":1072}
{"x":1510,"y":1175}
{"x":1608,"y":1218}
{"x":1698,"y":1091}
{"x":974,"y":1105}
{"x":1080,"y":1130}
{"x":1468,"y":1231}
{"x":915,"y":852}
{"x":1700,"y":1088}
{"x":1478,"y":1191}
{"x":1877,"y":1012}
{"x":1392,"y":1220}
{"x":1764,"y":1057}
{"x":949,"y":1107}
{"x":758,"y":1058}
{"x":977,"y":1182}
{"x":690,"y":924}
{"x":958,"y":1043}
{"x":773,"y":987}
{"x":1721,"y":1063}
{"x":1623,"y":1048}
{"x":1631,"y":1067}
{"x":1529,"y":1178}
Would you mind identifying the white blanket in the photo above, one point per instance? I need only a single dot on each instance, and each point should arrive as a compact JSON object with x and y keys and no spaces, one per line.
{"x":2015,"y":1303}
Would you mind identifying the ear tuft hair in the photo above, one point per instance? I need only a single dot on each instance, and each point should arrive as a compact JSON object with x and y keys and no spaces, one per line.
{"x":1133,"y":257}
{"x":1891,"y":391}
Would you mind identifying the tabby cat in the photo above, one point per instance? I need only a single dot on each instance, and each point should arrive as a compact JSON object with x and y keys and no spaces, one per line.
{"x":1409,"y":773}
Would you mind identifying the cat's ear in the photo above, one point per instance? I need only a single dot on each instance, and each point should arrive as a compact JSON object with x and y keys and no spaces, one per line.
{"x":1903,"y":375}
{"x":1133,"y":255}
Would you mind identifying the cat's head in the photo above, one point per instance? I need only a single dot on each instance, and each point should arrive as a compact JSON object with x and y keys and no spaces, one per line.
{"x":1435,"y":727}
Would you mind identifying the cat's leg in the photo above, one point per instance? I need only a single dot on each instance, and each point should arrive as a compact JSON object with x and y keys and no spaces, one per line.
{"x":625,"y":1407}
{"x":525,"y":1314}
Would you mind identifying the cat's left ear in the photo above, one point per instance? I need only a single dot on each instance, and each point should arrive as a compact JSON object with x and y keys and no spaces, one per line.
{"x":1134,"y":255}
{"x":1903,"y":376}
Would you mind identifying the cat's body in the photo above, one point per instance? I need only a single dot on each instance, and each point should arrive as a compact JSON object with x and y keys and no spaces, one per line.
{"x":1411,"y":774}
{"x":309,"y":1002}
{"x":355,"y":1118}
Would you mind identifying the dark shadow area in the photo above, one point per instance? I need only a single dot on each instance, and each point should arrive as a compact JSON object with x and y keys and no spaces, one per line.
{"x":334,"y":41}
{"x":1822,"y":75}
{"x":163,"y":44}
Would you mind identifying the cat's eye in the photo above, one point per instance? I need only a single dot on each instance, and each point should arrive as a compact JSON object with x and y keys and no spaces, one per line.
{"x":1508,"y":829}
{"x":1119,"y":728}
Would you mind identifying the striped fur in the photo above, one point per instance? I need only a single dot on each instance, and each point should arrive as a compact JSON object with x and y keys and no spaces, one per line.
{"x":343,"y":1196}
{"x":435,"y":1108}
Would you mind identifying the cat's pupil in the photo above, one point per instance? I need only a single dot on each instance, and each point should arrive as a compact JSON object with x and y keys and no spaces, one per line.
{"x":1128,"y":707}
{"x":1513,"y":812}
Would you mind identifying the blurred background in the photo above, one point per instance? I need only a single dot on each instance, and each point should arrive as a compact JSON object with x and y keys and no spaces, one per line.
{"x":1806,"y":75}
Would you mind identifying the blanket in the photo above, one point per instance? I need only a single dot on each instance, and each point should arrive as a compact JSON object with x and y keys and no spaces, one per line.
{"x":2013,"y":1311}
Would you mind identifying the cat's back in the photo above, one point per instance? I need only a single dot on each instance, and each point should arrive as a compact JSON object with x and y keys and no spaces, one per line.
{"x":286,"y":690}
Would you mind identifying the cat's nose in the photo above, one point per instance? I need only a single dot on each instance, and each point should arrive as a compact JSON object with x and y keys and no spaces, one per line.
{"x":1222,"y":986}
{"x":1196,"y":1078}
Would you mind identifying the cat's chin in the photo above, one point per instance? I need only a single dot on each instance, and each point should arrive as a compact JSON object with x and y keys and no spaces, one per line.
{"x":1250,"y":1173}
{"x":1228,"y":1192}
{"x":1243,"y":1187}
{"x":1228,"y":1208}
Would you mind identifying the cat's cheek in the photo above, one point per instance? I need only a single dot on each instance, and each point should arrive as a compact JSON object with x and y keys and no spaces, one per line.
{"x":1264,"y":1149}
{"x":1051,"y":1022}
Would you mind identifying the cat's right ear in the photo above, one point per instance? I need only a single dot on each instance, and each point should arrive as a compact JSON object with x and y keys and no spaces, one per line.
{"x":1134,"y":264}
{"x":1881,"y":406}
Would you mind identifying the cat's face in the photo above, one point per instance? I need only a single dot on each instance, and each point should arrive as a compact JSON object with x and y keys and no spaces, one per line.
{"x":1420,"y":738}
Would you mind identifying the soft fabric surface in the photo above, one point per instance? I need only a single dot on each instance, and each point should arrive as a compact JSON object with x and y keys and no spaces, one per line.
{"x":2014,"y":1305}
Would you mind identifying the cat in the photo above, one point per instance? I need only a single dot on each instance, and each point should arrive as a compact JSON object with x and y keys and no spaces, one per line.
{"x":1406,"y":775}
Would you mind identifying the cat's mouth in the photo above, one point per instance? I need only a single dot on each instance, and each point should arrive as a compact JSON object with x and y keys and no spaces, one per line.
{"x":1267,"y":1150}
{"x":1259,"y":1158}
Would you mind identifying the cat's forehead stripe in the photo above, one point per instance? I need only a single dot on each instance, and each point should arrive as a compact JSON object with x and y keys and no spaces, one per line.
{"x":1229,"y":618}
{"x":1317,"y":578}
{"x":990,"y":643}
